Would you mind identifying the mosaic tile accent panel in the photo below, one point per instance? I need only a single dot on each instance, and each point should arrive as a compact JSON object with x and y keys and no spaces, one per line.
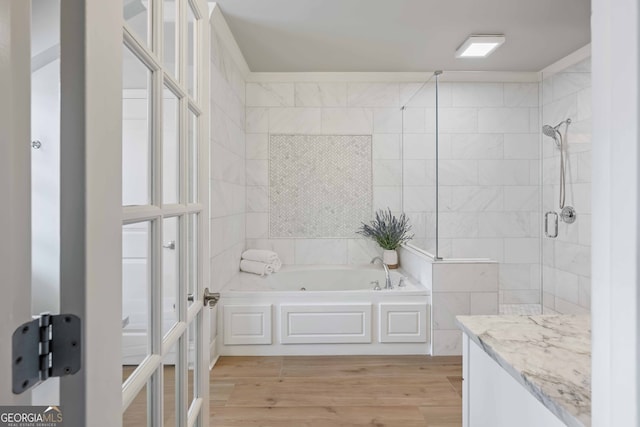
{"x":319,"y":185}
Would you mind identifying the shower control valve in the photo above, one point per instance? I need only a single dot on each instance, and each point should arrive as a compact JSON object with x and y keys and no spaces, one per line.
{"x":568,"y":214}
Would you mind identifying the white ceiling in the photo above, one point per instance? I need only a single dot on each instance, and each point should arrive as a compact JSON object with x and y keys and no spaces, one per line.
{"x":403,"y":35}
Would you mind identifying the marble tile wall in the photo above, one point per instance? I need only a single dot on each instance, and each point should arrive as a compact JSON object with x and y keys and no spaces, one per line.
{"x":489,"y":166}
{"x":460,"y":289}
{"x":227,"y":165}
{"x":321,"y":109}
{"x":457,"y":288}
{"x":566,"y":260}
{"x":489,"y":178}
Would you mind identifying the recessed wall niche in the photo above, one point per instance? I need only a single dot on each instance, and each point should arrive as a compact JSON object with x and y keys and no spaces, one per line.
{"x":319,"y":185}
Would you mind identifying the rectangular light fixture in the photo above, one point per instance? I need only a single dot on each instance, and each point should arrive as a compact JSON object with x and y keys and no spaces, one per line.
{"x":479,"y":46}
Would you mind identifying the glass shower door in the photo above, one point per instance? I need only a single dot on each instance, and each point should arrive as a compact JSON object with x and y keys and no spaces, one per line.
{"x":419,"y":162}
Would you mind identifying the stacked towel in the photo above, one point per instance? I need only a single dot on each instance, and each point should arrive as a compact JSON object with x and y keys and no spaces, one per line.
{"x":260,"y":262}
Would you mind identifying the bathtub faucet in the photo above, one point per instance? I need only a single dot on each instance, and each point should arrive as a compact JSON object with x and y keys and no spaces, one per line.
{"x":387,"y":275}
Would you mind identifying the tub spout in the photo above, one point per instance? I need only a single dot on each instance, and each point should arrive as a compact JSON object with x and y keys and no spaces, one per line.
{"x":387,"y":275}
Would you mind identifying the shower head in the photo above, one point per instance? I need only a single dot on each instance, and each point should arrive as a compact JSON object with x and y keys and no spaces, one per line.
{"x":550,"y":131}
{"x":553,"y":132}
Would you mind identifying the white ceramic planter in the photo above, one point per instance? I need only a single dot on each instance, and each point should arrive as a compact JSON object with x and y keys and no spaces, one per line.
{"x":390,"y":257}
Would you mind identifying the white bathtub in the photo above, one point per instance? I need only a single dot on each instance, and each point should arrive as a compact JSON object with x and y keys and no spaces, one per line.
{"x":309,"y":310}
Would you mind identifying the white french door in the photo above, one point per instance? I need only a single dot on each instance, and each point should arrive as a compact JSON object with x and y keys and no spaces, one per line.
{"x":165,"y":220}
{"x":133,"y":205}
{"x":89,"y":200}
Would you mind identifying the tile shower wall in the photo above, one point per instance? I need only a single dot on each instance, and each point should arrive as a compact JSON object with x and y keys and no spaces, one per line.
{"x":489,"y":177}
{"x":227,"y":164}
{"x":566,"y":263}
{"x":489,"y":166}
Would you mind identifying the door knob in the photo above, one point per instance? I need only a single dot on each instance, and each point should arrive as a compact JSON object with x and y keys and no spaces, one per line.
{"x":170,"y":245}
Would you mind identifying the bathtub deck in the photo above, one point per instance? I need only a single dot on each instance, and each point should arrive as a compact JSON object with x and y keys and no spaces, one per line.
{"x":319,"y":391}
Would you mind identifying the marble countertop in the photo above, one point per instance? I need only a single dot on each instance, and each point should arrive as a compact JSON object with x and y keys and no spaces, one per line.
{"x":550,"y":355}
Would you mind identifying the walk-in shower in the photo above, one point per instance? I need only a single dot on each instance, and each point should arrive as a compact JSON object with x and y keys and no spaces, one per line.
{"x":479,"y":172}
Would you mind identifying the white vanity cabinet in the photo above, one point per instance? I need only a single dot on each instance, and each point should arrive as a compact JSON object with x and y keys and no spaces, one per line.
{"x":493,"y":398}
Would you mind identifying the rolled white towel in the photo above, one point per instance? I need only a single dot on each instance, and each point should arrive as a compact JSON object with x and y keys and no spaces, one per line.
{"x":276,"y":265}
{"x":267,"y":257}
{"x":256,"y":267}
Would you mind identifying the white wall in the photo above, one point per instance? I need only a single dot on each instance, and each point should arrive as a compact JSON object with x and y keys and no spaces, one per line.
{"x":616,"y":213}
{"x":227,"y":163}
{"x":566,"y":260}
{"x":45,"y":172}
{"x":45,"y":205}
{"x":45,"y":188}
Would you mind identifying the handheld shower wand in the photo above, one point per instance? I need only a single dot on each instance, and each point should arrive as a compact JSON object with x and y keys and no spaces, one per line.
{"x":567,"y":213}
{"x":554,"y":132}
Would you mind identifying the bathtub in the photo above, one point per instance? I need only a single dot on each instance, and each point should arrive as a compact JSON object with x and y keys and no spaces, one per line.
{"x":324,"y":310}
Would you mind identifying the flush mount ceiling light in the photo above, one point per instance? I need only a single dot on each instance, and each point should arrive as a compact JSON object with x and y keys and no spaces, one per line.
{"x":479,"y":46}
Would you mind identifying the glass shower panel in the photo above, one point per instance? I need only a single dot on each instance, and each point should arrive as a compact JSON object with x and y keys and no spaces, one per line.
{"x":566,"y":140}
{"x":419,"y":162}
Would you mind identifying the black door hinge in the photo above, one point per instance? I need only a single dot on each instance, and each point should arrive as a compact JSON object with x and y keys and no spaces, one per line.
{"x":48,"y":346}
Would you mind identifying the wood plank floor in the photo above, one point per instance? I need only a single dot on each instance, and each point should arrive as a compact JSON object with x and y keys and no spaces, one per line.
{"x":325,"y":391}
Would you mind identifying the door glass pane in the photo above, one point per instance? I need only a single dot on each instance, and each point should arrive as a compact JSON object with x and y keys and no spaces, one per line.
{"x":170,"y":50}
{"x":137,"y":15}
{"x":170,"y":273}
{"x":192,"y":256}
{"x":136,"y":414}
{"x":136,"y":283}
{"x":191,"y":52}
{"x":191,"y":362}
{"x":193,"y":157}
{"x":136,"y":137}
{"x":171,"y":385}
{"x":170,"y":149}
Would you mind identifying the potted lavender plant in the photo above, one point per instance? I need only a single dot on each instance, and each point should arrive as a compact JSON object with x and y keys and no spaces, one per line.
{"x":389,"y":232}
